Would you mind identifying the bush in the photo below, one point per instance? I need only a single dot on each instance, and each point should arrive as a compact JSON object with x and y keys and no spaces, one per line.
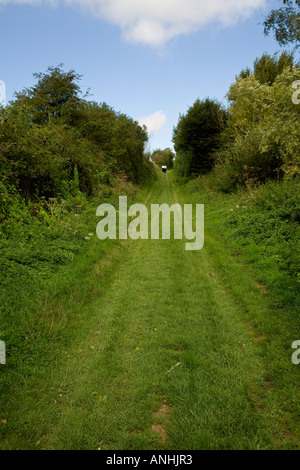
{"x":282,"y":199}
{"x":182,"y":164}
{"x":244,"y":163}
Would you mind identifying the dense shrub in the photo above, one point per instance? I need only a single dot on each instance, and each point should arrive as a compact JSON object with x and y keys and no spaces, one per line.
{"x":265,"y":132}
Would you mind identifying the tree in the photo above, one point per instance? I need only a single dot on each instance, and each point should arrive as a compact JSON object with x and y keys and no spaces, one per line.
{"x":198,"y":134}
{"x":120,"y":138}
{"x":54,"y":143}
{"x":285,"y":23}
{"x":163,"y":157}
{"x":56,"y":95}
{"x":266,"y":69}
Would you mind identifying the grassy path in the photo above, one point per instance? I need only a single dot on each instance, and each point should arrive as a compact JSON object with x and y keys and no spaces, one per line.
{"x":162,"y":358}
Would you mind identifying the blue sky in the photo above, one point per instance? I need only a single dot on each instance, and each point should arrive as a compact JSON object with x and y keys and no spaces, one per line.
{"x":150,"y":59}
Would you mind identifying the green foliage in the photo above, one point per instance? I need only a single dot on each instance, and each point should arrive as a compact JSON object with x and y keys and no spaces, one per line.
{"x":54,"y":144}
{"x":271,"y":220}
{"x":163,"y":157}
{"x":55,"y":96}
{"x":40,"y":160}
{"x":264,"y":127}
{"x":282,"y":199}
{"x":76,"y":180}
{"x":182,"y":164}
{"x":246,"y":163}
{"x":285,"y":23}
{"x":198,"y":135}
{"x":267,"y":68}
{"x":12,"y":206}
{"x":256,"y":139}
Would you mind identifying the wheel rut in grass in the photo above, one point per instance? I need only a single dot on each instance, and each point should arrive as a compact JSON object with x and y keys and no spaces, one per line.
{"x":163,"y":358}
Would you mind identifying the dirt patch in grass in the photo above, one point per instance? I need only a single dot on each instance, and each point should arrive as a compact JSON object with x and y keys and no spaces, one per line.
{"x":164,"y":411}
{"x":160,"y":430}
{"x":261,"y":287}
{"x":161,"y":414}
{"x":259,"y":338}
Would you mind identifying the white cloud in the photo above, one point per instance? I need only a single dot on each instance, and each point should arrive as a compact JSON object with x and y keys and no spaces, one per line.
{"x":155,"y":22}
{"x":154,"y":121}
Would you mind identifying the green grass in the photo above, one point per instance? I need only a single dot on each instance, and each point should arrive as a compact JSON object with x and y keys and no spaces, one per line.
{"x":143,"y":345}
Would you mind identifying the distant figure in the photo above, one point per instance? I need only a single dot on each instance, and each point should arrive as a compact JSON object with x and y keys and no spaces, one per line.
{"x":164,"y":169}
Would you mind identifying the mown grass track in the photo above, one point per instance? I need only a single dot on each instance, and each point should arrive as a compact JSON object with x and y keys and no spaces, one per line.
{"x":162,"y":356}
